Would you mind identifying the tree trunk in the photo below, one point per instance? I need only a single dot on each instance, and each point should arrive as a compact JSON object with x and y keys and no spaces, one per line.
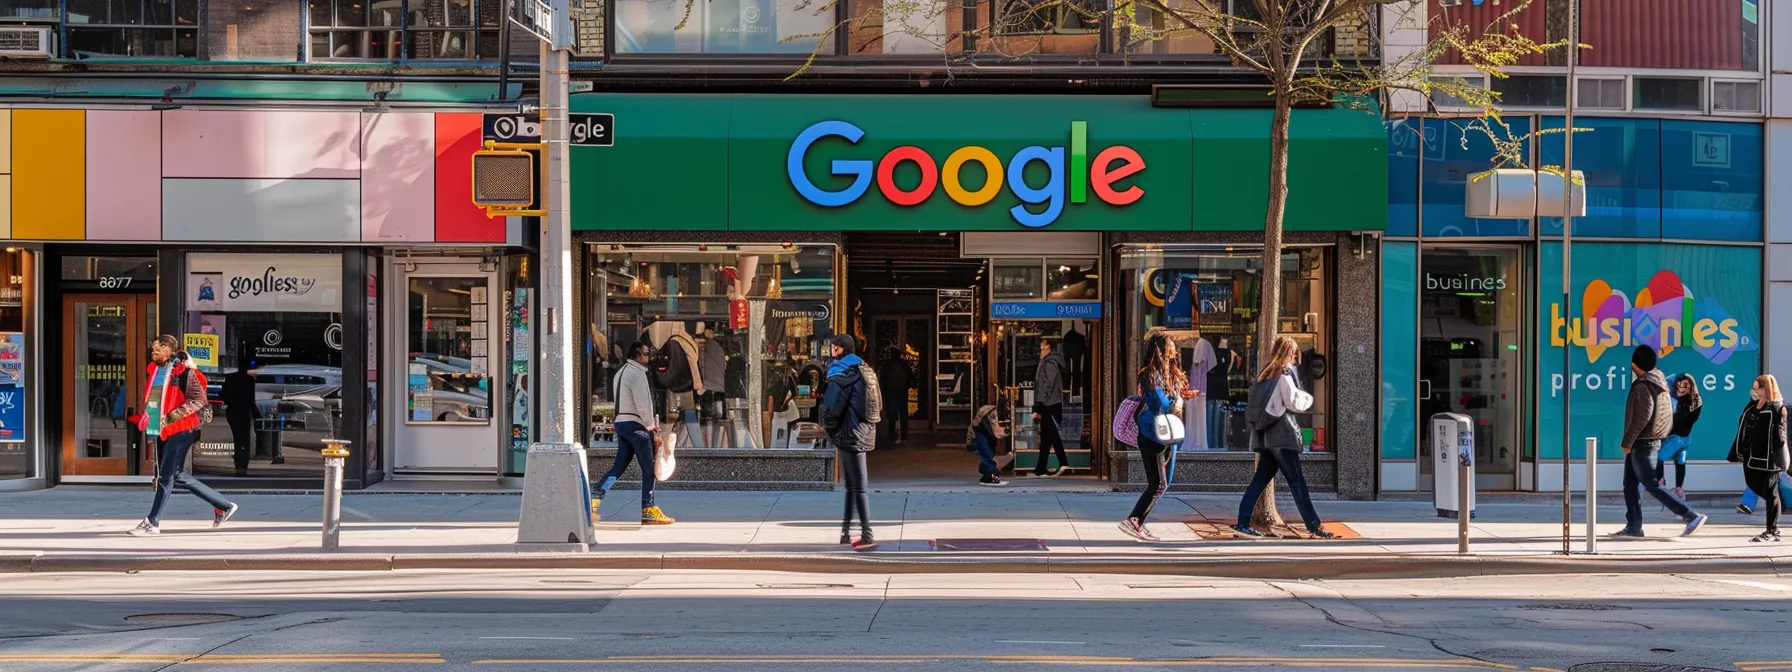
{"x":1265,"y":517}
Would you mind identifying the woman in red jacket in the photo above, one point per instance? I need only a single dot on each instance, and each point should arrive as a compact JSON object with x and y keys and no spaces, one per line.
{"x":172,"y":402}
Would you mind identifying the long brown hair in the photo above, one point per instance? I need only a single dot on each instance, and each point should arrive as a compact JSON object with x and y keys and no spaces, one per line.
{"x":1282,"y":354}
{"x":1161,"y":359}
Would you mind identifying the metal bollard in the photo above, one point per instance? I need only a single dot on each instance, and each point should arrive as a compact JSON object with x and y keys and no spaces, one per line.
{"x":1465,"y":488}
{"x":1592,"y":494}
{"x":335,"y":450}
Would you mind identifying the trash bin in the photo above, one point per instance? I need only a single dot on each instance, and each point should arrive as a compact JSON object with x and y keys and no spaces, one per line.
{"x":1452,"y":440}
{"x":269,"y":432}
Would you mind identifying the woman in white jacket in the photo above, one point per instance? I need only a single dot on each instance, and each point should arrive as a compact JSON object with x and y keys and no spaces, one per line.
{"x":1276,"y":438}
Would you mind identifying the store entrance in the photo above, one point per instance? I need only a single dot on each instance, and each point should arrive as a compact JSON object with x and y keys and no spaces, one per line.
{"x":1471,"y":360}
{"x":104,"y":357}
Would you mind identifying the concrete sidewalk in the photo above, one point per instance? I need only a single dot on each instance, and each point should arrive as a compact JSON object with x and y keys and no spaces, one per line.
{"x":83,"y":528}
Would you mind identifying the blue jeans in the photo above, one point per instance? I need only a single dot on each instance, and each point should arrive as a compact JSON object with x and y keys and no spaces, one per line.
{"x":1287,"y":462}
{"x":986,"y":456}
{"x":169,"y":460}
{"x":1216,"y":424}
{"x":632,"y":442}
{"x":1673,"y":448}
{"x":1639,"y":476}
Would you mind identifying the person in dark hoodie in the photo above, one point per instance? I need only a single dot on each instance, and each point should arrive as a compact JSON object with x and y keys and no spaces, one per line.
{"x":849,"y":412}
{"x":1648,"y":418}
{"x":1687,"y":405}
{"x":1761,"y":448}
{"x":1048,"y":407}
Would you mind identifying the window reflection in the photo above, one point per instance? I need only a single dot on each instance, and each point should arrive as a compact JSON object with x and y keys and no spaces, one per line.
{"x":450,"y":338}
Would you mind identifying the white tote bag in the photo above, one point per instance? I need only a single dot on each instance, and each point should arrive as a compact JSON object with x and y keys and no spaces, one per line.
{"x":665,"y":459}
{"x":1168,"y":430}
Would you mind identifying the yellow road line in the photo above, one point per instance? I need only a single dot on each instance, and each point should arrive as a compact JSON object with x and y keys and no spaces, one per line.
{"x":1010,"y":660}
{"x":226,"y":659}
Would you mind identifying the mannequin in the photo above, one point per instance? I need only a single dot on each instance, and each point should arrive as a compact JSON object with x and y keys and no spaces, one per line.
{"x":1201,"y":362}
{"x":1218,"y":390}
{"x":1076,"y":353}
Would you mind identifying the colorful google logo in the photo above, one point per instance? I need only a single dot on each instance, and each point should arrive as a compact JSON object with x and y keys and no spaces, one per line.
{"x":1102,"y":176}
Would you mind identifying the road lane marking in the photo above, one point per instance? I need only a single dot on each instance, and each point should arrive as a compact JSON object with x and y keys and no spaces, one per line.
{"x":1342,"y":646}
{"x":228,"y":659}
{"x":557,"y":639}
{"x":1755,"y":584}
{"x":1373,"y":663}
{"x":1035,"y":641}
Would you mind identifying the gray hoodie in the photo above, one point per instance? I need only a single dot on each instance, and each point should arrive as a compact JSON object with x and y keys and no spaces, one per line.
{"x":1649,"y":412}
{"x":1048,"y":383}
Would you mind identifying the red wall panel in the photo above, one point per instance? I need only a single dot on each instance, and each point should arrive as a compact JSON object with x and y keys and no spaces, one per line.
{"x":1677,"y":34}
{"x":457,"y":220}
{"x":1477,"y":20}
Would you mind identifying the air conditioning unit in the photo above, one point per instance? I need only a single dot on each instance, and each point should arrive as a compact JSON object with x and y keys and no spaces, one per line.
{"x":25,"y":42}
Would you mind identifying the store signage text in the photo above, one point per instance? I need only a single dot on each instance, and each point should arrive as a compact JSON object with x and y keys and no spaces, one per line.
{"x":1045,"y":310}
{"x":1664,"y":315}
{"x":270,"y":283}
{"x":1066,"y":182}
{"x":1463,"y":283}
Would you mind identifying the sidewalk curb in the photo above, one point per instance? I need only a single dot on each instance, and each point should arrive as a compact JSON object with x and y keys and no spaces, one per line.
{"x":1284,"y":567}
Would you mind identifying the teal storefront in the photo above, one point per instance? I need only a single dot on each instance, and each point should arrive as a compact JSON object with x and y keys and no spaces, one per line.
{"x":802,"y":206}
{"x":1669,"y":255}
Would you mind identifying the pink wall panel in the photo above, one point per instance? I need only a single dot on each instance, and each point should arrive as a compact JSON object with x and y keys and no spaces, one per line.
{"x":269,"y":144}
{"x":398,"y":184}
{"x":124,"y":175}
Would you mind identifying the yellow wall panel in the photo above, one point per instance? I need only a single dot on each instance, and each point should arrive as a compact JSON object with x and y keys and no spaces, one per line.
{"x":49,"y":174}
{"x":6,"y":142}
{"x":6,"y":213}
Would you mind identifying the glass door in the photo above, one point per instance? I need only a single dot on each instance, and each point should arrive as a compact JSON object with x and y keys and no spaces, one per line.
{"x":1472,"y":327}
{"x":105,"y":350}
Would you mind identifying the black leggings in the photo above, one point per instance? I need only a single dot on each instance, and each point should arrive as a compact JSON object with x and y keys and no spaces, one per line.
{"x":1156,"y":458}
{"x":1767,"y":485}
{"x":852,"y":466}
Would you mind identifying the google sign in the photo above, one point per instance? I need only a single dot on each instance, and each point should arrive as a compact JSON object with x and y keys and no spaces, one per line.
{"x":1040,"y":206}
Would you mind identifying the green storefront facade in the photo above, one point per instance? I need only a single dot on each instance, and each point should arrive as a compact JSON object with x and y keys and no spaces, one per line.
{"x":1154,"y":193}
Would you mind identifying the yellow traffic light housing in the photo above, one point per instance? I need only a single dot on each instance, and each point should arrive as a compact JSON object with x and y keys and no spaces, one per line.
{"x":504,"y":179}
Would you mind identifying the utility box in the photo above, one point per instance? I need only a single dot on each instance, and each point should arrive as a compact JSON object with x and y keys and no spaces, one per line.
{"x":1452,"y":446}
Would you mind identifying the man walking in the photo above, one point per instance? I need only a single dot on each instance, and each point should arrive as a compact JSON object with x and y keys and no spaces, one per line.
{"x":1048,"y":407}
{"x":241,"y":412}
{"x":850,"y":412}
{"x":172,"y":403}
{"x":637,"y":433}
{"x":1648,"y":417}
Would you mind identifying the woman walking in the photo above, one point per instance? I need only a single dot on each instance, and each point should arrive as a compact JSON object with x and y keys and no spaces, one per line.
{"x":1687,"y":405}
{"x":1162,"y":386}
{"x":1275,"y":436}
{"x":1761,"y":448}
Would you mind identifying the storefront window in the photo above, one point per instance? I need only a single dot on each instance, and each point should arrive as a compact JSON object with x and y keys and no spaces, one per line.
{"x":267,"y":331}
{"x":16,"y":456}
{"x":1207,"y":299}
{"x":739,"y":335}
{"x":450,"y":341}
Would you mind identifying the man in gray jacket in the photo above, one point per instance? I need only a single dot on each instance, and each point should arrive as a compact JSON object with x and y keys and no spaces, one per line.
{"x":1048,"y":406}
{"x":1648,"y":417}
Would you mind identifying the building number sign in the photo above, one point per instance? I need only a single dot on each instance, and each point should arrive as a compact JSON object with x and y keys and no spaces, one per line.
{"x":115,"y":283}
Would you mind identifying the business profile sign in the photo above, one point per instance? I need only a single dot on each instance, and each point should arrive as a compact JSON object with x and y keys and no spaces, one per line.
{"x":1698,"y":306}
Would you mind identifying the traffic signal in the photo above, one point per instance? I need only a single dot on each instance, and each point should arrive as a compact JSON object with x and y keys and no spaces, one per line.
{"x":504,"y":179}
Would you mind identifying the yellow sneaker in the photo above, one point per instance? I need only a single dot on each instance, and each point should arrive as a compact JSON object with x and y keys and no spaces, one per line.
{"x":596,"y":502}
{"x":652,"y":515}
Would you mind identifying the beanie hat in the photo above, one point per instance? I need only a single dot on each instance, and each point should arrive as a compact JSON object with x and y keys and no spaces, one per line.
{"x":1644,"y":358}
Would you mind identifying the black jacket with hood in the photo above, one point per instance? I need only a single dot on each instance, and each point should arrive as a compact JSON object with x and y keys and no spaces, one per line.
{"x":1649,"y":412}
{"x":1761,"y":438}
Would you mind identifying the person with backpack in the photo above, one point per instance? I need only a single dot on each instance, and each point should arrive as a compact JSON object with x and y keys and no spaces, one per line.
{"x":1275,"y":437}
{"x":1648,"y":418}
{"x":1162,"y":387}
{"x":174,"y":408}
{"x":1760,"y":448}
{"x":637,"y":434}
{"x":850,"y":412}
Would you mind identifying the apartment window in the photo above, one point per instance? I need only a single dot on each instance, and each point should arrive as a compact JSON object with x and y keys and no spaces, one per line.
{"x":1735,"y":96}
{"x":132,"y":28}
{"x":27,"y":10}
{"x":738,"y":26}
{"x":455,"y":30}
{"x":1448,"y":91}
{"x":1531,"y":91}
{"x":1600,"y":94}
{"x":1664,"y":93}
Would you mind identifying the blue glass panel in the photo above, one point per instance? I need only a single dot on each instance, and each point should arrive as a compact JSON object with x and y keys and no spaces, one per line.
{"x":1399,"y":354}
{"x":1452,"y":153}
{"x":1620,"y":158}
{"x":1711,"y":180}
{"x":1403,"y":176}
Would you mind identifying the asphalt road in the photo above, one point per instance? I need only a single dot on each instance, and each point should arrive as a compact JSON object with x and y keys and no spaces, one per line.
{"x":588,"y":620}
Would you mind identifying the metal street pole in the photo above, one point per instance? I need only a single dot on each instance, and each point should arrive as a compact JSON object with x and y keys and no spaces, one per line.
{"x":1568,"y":274}
{"x":556,"y":359}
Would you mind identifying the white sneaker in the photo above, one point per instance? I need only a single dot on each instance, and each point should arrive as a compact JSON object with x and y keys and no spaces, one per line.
{"x":144,"y":529}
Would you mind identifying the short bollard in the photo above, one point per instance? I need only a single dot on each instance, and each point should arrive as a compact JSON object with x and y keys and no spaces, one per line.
{"x":335,"y":450}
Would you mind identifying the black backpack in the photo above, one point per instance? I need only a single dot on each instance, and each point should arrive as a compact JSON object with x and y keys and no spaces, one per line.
{"x":672,"y":368}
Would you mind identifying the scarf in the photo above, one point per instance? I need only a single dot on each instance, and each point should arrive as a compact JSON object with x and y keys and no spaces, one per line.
{"x":155,"y":410}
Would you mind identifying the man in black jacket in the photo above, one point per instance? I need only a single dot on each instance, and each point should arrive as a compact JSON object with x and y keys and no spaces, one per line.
{"x":240,"y":411}
{"x":853,"y":429}
{"x":1648,"y":417}
{"x":1048,"y":407}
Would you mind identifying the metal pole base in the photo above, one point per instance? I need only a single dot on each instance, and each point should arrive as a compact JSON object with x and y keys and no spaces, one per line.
{"x":556,"y":513}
